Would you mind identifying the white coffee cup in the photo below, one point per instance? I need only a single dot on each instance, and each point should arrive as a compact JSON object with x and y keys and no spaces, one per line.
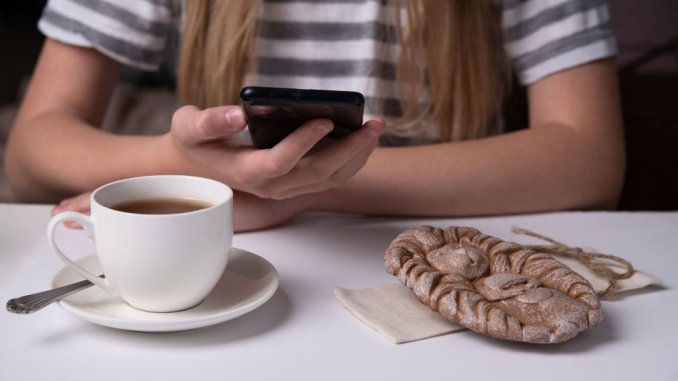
{"x":156,"y":262}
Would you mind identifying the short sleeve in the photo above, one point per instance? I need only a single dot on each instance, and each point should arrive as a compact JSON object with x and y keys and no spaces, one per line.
{"x":546,"y":36}
{"x":132,"y":32}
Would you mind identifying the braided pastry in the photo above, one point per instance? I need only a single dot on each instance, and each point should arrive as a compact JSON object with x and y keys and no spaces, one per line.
{"x":496,"y":288}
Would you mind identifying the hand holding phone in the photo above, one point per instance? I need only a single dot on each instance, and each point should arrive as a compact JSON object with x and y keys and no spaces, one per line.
{"x":273,"y":113}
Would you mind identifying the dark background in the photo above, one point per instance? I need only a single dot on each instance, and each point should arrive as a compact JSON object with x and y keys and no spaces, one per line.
{"x":20,"y":44}
{"x":647,"y":33}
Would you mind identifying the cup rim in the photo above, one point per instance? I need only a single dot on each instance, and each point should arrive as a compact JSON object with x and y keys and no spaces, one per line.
{"x":96,"y":194}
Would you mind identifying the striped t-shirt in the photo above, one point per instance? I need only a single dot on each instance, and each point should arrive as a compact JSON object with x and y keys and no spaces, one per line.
{"x":335,"y":44}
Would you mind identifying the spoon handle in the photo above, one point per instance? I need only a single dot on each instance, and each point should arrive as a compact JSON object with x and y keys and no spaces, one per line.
{"x":30,"y":303}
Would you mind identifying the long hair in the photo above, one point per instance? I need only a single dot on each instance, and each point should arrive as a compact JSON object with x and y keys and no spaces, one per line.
{"x":217,"y":46}
{"x":450,"y":50}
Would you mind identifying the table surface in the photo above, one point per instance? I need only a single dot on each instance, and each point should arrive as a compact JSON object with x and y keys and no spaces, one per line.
{"x":303,"y":332}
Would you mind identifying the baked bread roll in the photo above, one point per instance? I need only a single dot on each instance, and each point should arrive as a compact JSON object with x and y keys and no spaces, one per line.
{"x":496,"y":288}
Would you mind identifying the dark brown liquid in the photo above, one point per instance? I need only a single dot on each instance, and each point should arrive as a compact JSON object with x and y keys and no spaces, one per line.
{"x":161,"y":206}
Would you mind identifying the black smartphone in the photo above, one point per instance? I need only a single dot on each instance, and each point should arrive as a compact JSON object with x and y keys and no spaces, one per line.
{"x":272,"y":113}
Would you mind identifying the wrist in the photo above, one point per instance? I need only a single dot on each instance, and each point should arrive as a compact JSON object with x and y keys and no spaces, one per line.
{"x":165,"y":157}
{"x":315,"y":202}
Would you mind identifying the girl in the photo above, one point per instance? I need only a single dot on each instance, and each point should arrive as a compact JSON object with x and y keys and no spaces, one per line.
{"x":434,"y":74}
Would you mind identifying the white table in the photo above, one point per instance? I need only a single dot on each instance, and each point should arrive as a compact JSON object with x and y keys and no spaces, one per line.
{"x":303,"y":333}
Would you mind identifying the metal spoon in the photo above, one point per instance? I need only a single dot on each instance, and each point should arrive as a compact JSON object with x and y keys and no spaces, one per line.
{"x":30,"y":303}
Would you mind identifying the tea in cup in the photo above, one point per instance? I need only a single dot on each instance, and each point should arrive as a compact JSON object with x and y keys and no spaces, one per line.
{"x":163,"y":242}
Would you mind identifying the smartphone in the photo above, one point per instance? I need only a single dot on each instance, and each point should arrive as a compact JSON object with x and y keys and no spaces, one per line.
{"x":272,"y":113}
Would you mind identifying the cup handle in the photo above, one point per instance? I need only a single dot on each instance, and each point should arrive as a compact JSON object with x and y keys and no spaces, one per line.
{"x":88,"y":227}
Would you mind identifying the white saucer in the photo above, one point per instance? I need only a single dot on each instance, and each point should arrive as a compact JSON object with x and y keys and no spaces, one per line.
{"x":248,"y":282}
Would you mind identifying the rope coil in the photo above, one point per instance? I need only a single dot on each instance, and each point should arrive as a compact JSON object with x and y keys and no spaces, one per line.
{"x":594,"y":261}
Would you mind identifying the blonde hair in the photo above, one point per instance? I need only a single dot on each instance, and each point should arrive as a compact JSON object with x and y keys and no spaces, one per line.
{"x":216,"y":50}
{"x":449,"y":49}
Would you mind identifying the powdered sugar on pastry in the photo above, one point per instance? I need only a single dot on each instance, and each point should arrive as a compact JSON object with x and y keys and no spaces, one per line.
{"x":497,"y":288}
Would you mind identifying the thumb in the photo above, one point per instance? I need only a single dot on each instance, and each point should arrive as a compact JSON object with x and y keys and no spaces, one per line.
{"x":195,"y":126}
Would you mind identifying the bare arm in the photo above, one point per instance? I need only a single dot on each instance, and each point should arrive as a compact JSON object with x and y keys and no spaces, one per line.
{"x":571,"y":157}
{"x":55,"y":149}
{"x":68,"y":95}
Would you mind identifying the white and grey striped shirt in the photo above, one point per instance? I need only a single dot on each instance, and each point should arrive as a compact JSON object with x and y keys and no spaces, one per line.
{"x":335,"y":44}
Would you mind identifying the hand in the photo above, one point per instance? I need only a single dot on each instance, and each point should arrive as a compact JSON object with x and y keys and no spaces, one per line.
{"x":79,"y":203}
{"x":206,"y":143}
{"x":254,"y":213}
{"x":249,"y":212}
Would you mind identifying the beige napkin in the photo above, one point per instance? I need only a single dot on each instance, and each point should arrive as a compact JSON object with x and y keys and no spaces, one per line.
{"x":394,"y":311}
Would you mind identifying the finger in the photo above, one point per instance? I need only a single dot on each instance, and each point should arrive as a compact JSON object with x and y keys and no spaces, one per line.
{"x":336,"y":179}
{"x":194,"y":126}
{"x":284,"y":156}
{"x":73,"y":224}
{"x":79,"y":203}
{"x":330,"y":159}
{"x":324,"y":171}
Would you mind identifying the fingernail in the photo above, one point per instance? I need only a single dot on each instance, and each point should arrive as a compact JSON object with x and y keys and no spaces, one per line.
{"x":380,"y":125}
{"x":58,"y":209}
{"x":235,"y":118}
{"x":324,"y":126}
{"x":373,"y":134}
{"x":374,"y":130}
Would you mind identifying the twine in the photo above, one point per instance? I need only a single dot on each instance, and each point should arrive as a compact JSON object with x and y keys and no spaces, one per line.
{"x":596,"y":262}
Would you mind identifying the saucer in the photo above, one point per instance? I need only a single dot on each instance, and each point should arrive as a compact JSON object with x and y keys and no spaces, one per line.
{"x":248,"y":282}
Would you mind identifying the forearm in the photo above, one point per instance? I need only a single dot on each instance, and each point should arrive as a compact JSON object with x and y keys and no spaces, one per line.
{"x":571,"y":157}
{"x":53,"y":155}
{"x":54,"y":150}
{"x":549,"y":168}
